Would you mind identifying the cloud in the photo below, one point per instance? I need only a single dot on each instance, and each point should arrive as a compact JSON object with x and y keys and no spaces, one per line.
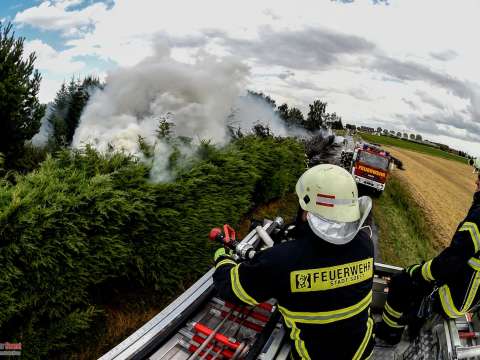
{"x":306,"y":49}
{"x":368,"y":70}
{"x":446,"y":55}
{"x":438,"y":123}
{"x":426,"y":98}
{"x":59,"y":16}
{"x":411,"y":71}
{"x":410,"y":103}
{"x":51,"y":60}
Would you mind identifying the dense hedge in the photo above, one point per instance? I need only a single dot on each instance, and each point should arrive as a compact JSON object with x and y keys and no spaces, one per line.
{"x":83,"y":220}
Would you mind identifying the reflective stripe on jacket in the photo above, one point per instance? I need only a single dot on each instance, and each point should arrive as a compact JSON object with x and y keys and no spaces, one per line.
{"x":457,"y":268}
{"x":323,"y":290}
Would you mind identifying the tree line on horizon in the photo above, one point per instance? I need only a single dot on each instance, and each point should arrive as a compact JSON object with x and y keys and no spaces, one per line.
{"x":409,"y":137}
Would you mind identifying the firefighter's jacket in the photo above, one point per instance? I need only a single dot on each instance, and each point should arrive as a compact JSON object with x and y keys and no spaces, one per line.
{"x":323,"y":291}
{"x":456,"y":270}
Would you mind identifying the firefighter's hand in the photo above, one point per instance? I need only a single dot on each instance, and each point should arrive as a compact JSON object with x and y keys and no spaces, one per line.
{"x":418,"y":282}
{"x":222,"y":253}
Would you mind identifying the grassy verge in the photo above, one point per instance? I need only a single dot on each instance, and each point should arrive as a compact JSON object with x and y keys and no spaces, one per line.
{"x":404,"y":235}
{"x":409,"y":145}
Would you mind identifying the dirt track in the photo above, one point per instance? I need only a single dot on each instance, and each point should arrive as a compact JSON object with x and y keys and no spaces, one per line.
{"x":443,"y":187}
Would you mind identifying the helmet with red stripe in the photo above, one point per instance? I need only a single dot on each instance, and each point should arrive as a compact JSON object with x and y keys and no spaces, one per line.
{"x":329,"y":192}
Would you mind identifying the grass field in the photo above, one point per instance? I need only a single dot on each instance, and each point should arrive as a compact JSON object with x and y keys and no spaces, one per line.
{"x":404,"y":235}
{"x":409,"y":145}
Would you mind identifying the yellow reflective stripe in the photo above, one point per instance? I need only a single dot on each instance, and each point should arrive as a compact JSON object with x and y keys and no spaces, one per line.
{"x":299,"y":343}
{"x":392,"y":312}
{"x":427,"y":272}
{"x":472,"y":293}
{"x":412,"y":269}
{"x":225,"y":261}
{"x":474,"y":263}
{"x":326,"y":317}
{"x":238,"y":289}
{"x":361,"y":349}
{"x":474,"y":233}
{"x":447,"y":302}
{"x":391,"y":323}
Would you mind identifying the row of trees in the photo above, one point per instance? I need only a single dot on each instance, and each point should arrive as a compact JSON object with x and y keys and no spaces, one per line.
{"x":399,"y":134}
{"x":386,"y":132}
{"x":316,"y":119}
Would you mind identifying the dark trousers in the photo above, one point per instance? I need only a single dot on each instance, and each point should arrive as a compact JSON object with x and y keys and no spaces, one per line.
{"x":404,"y":301}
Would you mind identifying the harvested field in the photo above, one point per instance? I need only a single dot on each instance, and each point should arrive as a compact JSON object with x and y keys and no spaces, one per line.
{"x":444,"y":189}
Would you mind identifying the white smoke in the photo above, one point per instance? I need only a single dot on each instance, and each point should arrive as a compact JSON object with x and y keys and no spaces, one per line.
{"x":200,"y":96}
{"x":250,"y":110}
{"x":45,"y":132}
{"x":202,"y":100}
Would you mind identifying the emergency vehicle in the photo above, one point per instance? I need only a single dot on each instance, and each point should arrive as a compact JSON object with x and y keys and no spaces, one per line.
{"x":368,"y":164}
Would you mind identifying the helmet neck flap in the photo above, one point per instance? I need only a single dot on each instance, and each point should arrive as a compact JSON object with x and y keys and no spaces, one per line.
{"x":340,"y":233}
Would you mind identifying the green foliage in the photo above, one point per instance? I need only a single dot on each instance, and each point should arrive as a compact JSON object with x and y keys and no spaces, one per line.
{"x":145,"y":148}
{"x":20,"y":110}
{"x":165,"y":128}
{"x":316,"y":115}
{"x":291,"y":116}
{"x":260,"y":95}
{"x":334,"y":121}
{"x":30,"y":158}
{"x":67,"y":110}
{"x":404,"y":235}
{"x":84,"y":221}
{"x":409,"y":145}
{"x":295,"y":117}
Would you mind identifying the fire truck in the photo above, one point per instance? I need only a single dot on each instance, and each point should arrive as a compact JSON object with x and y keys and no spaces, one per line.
{"x":369,"y":165}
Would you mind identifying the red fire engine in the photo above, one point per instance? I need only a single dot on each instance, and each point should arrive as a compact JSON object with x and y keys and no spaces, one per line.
{"x":369,"y":165}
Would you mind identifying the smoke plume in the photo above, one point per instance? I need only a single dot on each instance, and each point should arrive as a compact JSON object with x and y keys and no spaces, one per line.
{"x":200,"y":97}
{"x":46,"y":129}
{"x":202,"y":100}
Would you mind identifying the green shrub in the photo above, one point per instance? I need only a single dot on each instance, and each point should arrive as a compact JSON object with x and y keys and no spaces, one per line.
{"x":83,"y":221}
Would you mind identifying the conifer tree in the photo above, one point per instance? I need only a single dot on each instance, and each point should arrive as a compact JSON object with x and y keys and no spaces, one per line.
{"x":20,"y":109}
{"x":67,"y":109}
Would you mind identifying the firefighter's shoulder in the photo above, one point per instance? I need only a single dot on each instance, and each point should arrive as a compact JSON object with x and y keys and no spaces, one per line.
{"x":279,"y":254}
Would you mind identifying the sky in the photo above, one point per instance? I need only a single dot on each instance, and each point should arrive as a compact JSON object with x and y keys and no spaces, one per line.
{"x":406,"y":65}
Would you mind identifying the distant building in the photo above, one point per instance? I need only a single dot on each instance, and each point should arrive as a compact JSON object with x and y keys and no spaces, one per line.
{"x":366,"y":129}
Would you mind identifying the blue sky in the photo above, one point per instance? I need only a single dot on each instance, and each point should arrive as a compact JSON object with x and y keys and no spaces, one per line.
{"x":8,"y":10}
{"x":409,"y":64}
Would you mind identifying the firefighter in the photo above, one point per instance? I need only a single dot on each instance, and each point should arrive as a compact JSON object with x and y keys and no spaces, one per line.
{"x":449,"y":282}
{"x":323,"y":278}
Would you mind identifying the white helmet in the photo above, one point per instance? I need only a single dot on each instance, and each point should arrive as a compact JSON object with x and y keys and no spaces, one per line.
{"x":476,"y":164}
{"x":329,"y":192}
